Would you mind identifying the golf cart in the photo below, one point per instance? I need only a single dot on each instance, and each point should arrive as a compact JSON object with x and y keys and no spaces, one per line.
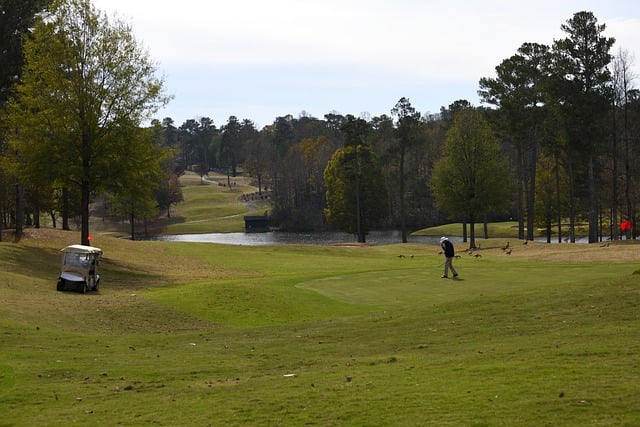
{"x":80,"y":268}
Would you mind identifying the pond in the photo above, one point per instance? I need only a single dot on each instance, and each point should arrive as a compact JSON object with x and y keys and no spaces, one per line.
{"x":314,"y":238}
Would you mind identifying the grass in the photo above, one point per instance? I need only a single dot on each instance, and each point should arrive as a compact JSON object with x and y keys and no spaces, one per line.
{"x":505,"y":230}
{"x":203,"y":334}
{"x":208,"y":207}
{"x":508,"y":229}
{"x":211,"y":207}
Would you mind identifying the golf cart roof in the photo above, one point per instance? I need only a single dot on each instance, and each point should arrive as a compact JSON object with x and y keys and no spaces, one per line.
{"x":82,"y":249}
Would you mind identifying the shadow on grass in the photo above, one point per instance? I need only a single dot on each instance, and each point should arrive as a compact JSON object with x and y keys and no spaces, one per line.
{"x":31,"y":262}
{"x":121,"y":275}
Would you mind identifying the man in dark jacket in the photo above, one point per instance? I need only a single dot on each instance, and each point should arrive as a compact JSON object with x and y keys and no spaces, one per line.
{"x":449,"y":252}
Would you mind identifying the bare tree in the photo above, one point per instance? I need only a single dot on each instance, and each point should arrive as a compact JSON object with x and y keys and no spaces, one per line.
{"x":623,"y":78}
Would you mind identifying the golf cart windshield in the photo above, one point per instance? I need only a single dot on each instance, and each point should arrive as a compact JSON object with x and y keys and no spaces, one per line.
{"x":76,"y":260}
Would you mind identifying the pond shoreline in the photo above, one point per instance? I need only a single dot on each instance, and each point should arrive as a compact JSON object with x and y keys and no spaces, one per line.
{"x":314,"y":238}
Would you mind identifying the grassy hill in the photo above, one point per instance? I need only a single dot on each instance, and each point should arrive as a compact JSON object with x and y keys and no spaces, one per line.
{"x":209,"y":206}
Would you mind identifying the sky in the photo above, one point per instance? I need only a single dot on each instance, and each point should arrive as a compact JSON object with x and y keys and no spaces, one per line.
{"x":261,"y":59}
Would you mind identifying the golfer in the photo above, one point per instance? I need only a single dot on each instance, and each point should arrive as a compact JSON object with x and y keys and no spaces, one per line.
{"x":449,"y":252}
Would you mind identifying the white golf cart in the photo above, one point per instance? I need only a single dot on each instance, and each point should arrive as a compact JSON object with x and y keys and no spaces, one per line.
{"x":80,"y":268}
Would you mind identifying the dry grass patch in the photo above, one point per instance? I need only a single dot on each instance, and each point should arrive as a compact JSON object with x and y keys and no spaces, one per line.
{"x":619,"y":251}
{"x":127,"y":263}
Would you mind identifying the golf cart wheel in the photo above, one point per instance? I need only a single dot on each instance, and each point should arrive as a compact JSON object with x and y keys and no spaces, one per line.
{"x":60,"y":285}
{"x":84,"y":287}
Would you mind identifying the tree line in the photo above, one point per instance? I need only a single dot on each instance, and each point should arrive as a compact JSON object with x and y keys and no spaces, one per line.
{"x":555,"y":144}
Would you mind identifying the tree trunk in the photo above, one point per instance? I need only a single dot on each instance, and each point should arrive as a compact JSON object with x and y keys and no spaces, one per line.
{"x":572,"y":213}
{"x":464,"y":231}
{"x":627,"y":176}
{"x":19,"y":211}
{"x":36,"y":217}
{"x":84,"y":229}
{"x":614,"y":182}
{"x":547,"y":220}
{"x":593,"y":204}
{"x":558,"y":199}
{"x":361,"y":235}
{"x":531,"y":196}
{"x":65,"y":209}
{"x":133,"y":226}
{"x":403,"y":225}
{"x":472,"y":232}
{"x":521,"y":190}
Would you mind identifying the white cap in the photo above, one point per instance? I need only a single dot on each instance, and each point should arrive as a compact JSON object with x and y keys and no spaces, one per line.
{"x":442,"y":239}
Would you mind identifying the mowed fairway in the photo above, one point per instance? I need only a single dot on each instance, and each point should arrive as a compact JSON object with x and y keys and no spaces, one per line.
{"x":185,"y":334}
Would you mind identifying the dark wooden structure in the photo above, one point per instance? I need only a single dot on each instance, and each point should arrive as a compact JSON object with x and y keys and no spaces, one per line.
{"x":256,"y":223}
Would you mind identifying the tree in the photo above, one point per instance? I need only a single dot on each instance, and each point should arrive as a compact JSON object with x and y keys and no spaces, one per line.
{"x":257,"y":158}
{"x":583,"y":89}
{"x":356,"y":194}
{"x":16,"y":17}
{"x":189,"y":144}
{"x":205,"y":136}
{"x":302,"y":174}
{"x":167,"y":188}
{"x":231,"y":146}
{"x":623,"y":77}
{"x":448,"y":114}
{"x":472,"y":178}
{"x":518,"y":92}
{"x":201,"y":169}
{"x":283,"y":137}
{"x":168,"y":192}
{"x":86,"y":87}
{"x":170,"y":139}
{"x":551,"y":187}
{"x":139,"y":178}
{"x":408,"y":133}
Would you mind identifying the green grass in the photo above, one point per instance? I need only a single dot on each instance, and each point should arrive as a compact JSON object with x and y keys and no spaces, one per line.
{"x":504,"y":230}
{"x":210,"y":208}
{"x":207,"y":208}
{"x":507,"y":229}
{"x":202,"y":334}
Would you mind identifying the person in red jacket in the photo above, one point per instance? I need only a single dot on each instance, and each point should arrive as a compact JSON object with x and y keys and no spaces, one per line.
{"x":449,"y":252}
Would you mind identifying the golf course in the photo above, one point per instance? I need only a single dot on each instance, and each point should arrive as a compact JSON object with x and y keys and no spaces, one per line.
{"x":200,"y":334}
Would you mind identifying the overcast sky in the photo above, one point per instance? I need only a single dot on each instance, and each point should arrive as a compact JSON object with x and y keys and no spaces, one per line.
{"x":260,"y":59}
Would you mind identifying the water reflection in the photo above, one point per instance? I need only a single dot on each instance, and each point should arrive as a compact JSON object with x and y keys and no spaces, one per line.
{"x":315,"y":238}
